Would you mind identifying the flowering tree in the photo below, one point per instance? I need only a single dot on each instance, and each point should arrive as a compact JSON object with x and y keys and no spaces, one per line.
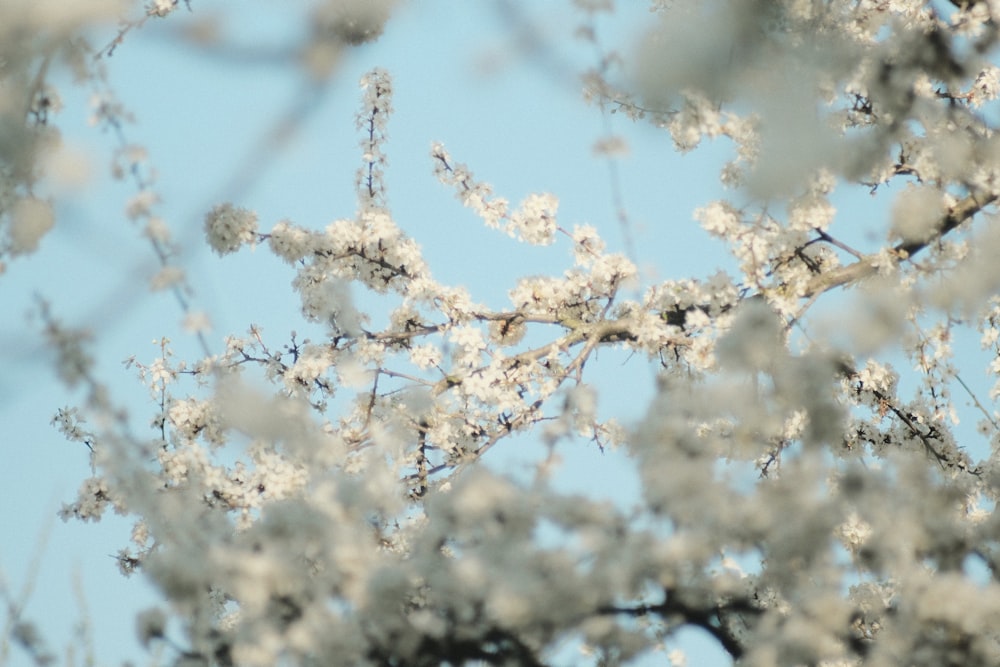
{"x":798,"y":506}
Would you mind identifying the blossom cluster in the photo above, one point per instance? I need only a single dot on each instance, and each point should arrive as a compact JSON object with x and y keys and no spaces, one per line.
{"x":227,"y":228}
{"x":534,"y":222}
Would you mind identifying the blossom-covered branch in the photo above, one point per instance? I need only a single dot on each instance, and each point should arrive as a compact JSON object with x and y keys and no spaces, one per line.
{"x":331,"y":497}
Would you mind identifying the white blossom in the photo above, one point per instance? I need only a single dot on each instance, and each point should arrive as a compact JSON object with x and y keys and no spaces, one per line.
{"x":228,"y":227}
{"x":290,"y":243}
{"x":30,"y":220}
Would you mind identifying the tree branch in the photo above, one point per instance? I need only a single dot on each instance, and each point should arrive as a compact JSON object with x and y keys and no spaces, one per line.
{"x":866,"y":266}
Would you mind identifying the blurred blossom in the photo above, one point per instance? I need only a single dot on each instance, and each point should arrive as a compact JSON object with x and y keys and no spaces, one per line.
{"x":30,"y":220}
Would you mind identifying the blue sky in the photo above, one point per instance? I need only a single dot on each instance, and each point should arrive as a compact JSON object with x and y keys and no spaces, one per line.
{"x":460,"y":78}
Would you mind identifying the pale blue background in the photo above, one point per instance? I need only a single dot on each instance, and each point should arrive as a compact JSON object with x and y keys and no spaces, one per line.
{"x":461,"y":77}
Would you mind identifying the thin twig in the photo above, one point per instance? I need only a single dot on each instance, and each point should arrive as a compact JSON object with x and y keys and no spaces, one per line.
{"x":976,"y":402}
